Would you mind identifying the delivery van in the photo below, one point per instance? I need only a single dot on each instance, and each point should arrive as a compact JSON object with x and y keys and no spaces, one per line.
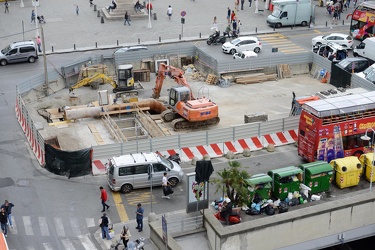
{"x":25,"y":51}
{"x":366,"y":49}
{"x":290,"y":12}
{"x":132,"y":171}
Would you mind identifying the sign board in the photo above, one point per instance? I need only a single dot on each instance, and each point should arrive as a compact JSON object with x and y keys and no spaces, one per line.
{"x":164,"y":227}
{"x":183,"y":13}
{"x":275,"y":49}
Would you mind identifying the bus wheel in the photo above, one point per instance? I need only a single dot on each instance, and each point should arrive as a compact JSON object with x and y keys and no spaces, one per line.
{"x":304,"y":23}
{"x":358,"y":153}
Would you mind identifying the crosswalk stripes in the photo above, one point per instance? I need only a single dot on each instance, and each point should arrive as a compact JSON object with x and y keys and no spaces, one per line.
{"x":283,"y":44}
{"x":77,"y":230}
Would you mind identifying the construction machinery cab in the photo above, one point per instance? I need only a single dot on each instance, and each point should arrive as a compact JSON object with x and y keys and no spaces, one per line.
{"x":179,"y":94}
{"x":125,"y":79}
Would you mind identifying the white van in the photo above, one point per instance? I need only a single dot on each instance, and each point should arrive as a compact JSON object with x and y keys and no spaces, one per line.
{"x":366,"y":49}
{"x":25,"y":51}
{"x":131,"y":171}
{"x":290,"y":12}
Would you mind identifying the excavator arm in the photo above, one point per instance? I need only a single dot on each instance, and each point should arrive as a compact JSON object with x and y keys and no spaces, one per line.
{"x":94,"y":78}
{"x":175,"y":73}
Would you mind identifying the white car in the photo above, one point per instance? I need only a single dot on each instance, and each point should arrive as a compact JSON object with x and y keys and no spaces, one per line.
{"x":339,"y":38}
{"x":130,"y":49}
{"x":245,"y":54}
{"x":368,"y":74}
{"x":240,"y":44}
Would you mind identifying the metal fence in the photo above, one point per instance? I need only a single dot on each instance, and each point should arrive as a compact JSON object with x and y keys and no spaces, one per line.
{"x":179,"y":227}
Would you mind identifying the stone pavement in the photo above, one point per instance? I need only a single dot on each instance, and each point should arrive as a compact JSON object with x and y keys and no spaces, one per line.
{"x":64,"y":29}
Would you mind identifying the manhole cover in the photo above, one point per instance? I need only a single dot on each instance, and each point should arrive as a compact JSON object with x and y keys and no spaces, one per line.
{"x":23,"y":183}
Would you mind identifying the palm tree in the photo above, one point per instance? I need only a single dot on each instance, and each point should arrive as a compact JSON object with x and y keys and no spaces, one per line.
{"x":232,"y":182}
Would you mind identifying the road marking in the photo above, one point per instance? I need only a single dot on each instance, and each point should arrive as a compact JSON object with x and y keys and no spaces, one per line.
{"x":43,"y":226}
{"x":47,"y":246}
{"x":318,"y":31}
{"x":140,"y":197}
{"x":27,"y":224}
{"x":75,"y":226}
{"x":59,"y":227}
{"x":68,"y":245}
{"x":90,"y":222}
{"x":86,"y":242}
{"x":120,"y":207}
{"x":13,"y":230}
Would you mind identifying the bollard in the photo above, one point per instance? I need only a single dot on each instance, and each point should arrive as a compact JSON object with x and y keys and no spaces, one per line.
{"x":256,"y":30}
{"x":179,"y":37}
{"x":326,"y":24}
{"x":342,"y":22}
{"x":159,"y":39}
{"x":102,"y":19}
{"x":117,"y":42}
{"x":98,"y":13}
{"x":96,"y":44}
{"x":74,"y":46}
{"x":200,"y":35}
{"x":52,"y":48}
{"x":139,"y":41}
{"x":274,"y":27}
{"x":94,"y":7}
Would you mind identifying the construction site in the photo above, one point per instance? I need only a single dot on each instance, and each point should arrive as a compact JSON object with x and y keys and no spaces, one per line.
{"x":108,"y":104}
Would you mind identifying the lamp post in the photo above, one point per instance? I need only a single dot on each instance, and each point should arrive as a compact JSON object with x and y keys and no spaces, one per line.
{"x":367,"y":138}
{"x":36,"y":4}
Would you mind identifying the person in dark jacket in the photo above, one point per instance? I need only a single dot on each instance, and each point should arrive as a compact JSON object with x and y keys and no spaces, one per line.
{"x":4,"y":221}
{"x":127,"y":18}
{"x":226,"y":210}
{"x":104,"y":226}
{"x":8,"y":209}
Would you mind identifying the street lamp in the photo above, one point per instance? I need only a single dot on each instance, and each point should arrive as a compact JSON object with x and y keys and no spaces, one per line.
{"x":367,"y":138}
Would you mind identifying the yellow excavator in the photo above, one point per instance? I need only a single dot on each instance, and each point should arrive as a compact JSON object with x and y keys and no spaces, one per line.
{"x":125,"y":80}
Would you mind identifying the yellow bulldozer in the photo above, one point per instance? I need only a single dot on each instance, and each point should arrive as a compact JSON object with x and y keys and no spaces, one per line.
{"x":99,"y":74}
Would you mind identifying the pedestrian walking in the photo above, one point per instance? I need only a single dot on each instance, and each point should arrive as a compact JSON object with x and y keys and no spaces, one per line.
{"x":103,"y":197}
{"x":149,"y":8}
{"x":77,"y":10}
{"x":232,"y":16}
{"x":238,"y":26}
{"x":6,"y":4}
{"x":125,"y":236}
{"x":91,"y":4}
{"x":127,"y":18}
{"x":335,"y":16}
{"x":139,"y":217}
{"x":104,"y":222}
{"x":250,"y":3}
{"x":234,"y":26}
{"x":169,"y":12}
{"x":32,"y":16}
{"x":236,"y":3}
{"x":354,"y":3}
{"x":39,"y":43}
{"x":165,"y":186}
{"x":242,"y":3}
{"x":4,"y":221}
{"x":8,"y":209}
{"x":228,"y":14}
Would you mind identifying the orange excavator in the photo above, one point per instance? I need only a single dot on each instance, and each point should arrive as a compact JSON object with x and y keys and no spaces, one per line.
{"x":183,"y":110}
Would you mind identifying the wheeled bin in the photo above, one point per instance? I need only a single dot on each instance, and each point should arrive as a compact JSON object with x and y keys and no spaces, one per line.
{"x":348,"y":171}
{"x":366,"y":160}
{"x":260,"y":184}
{"x":317,"y":176}
{"x":285,"y":180}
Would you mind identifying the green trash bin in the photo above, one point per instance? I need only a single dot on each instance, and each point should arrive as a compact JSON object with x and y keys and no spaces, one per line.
{"x":261,"y":184}
{"x":317,"y":176}
{"x":285,"y":180}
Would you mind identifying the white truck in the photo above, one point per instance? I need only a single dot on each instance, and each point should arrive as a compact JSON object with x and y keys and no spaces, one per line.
{"x":366,"y":49}
{"x":291,"y":12}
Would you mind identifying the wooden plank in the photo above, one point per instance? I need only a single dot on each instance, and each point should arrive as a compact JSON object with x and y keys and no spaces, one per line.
{"x":123,"y":111}
{"x":92,"y":128}
{"x":58,"y":123}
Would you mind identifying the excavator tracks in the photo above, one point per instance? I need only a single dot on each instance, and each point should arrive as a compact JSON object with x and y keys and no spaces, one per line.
{"x":182,"y":124}
{"x":168,"y":115}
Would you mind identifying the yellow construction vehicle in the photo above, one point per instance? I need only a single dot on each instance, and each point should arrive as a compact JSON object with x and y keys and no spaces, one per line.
{"x":124,"y":83}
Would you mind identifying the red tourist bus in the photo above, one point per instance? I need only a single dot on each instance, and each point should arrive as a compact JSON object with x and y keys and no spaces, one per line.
{"x":363,"y":20}
{"x":331,"y":128}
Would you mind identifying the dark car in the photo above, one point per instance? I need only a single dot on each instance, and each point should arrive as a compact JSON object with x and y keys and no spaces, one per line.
{"x":356,"y":64}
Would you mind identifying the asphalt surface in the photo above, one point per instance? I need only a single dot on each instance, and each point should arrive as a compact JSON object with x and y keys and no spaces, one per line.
{"x":65,"y":30}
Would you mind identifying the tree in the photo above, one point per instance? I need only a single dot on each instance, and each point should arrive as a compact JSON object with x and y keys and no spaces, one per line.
{"x":232,"y":182}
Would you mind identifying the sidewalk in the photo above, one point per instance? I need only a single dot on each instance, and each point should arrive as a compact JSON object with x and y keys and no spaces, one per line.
{"x":64,"y":29}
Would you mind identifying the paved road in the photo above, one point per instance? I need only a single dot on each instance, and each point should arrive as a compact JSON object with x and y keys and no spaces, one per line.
{"x":64,"y":28}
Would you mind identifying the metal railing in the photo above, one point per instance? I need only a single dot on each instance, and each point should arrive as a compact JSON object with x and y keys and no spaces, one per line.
{"x":180,"y":227}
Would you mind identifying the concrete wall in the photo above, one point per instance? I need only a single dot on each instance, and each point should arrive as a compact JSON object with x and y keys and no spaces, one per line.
{"x":310,"y":224}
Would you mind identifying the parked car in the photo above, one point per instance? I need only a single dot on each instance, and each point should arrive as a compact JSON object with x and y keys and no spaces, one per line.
{"x":25,"y":51}
{"x":130,"y":49}
{"x":331,"y":51}
{"x":356,"y":64}
{"x":339,"y":38}
{"x":244,"y":54}
{"x":367,"y":71}
{"x":240,"y":44}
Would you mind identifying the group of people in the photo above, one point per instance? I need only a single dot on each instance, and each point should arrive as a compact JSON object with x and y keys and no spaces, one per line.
{"x":336,"y":7}
{"x":6,"y":216}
